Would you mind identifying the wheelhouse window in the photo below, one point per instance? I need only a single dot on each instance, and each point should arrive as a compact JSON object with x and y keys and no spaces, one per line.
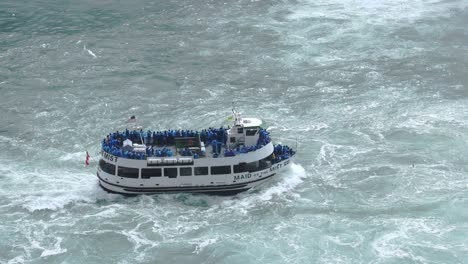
{"x":148,"y":173}
{"x":201,"y":171}
{"x":170,"y":172}
{"x":251,"y":132}
{"x":240,"y":130}
{"x":107,"y":167}
{"x":186,"y":171}
{"x":216,"y":170}
{"x":127,"y":172}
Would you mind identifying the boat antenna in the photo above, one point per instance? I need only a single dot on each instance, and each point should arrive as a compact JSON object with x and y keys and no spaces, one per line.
{"x":140,"y":128}
{"x":234,"y":112}
{"x":141,"y":137}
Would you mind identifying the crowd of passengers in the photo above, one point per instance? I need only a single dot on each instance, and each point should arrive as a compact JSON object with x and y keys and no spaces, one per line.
{"x":216,"y":137}
{"x":119,"y":152}
{"x":166,"y":137}
{"x":282,"y":152}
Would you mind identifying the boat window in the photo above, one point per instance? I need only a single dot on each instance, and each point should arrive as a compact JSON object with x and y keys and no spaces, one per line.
{"x":241,"y":167}
{"x":107,"y":167}
{"x":148,"y":173}
{"x":200,"y":171}
{"x":240,"y":130}
{"x":127,"y":172}
{"x":264,"y":164}
{"x":216,"y":170}
{"x":253,"y":166}
{"x":232,"y":140}
{"x":186,"y":171}
{"x":251,"y":132}
{"x":170,"y":172}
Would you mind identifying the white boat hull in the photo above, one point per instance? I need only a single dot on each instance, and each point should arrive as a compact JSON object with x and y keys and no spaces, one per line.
{"x":229,"y":185}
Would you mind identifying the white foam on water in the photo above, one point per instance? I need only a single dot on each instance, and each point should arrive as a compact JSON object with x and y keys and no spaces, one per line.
{"x":354,"y":241}
{"x":388,"y":245}
{"x":14,"y":142}
{"x":57,"y":249}
{"x":53,"y":201}
{"x":334,"y":154}
{"x":50,"y":189}
{"x":106,"y":212}
{"x":300,"y":128}
{"x":43,"y":114}
{"x":315,"y":28}
{"x":316,"y":127}
{"x":283,"y":187}
{"x":285,"y":184}
{"x":400,"y":241}
{"x":376,"y":11}
{"x":201,"y":243}
{"x":214,"y":93}
{"x":17,"y":260}
{"x":430,"y":117}
{"x":90,"y":52}
{"x":75,"y":156}
{"x":138,"y":239}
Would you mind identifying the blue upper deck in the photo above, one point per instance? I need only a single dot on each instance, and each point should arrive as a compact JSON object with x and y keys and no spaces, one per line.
{"x":170,"y":143}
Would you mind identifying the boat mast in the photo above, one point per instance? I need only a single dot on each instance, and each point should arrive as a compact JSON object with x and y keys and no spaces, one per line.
{"x":236,"y":115}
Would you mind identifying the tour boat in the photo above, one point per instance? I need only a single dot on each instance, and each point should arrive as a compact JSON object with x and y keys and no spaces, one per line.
{"x":220,"y":161}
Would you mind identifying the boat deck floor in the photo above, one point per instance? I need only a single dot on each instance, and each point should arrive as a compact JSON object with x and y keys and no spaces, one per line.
{"x":177,"y":154}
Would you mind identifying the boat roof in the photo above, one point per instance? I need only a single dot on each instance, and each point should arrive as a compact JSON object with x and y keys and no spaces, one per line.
{"x":249,"y":122}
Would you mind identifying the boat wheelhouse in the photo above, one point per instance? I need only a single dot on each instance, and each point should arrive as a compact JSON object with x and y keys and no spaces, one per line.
{"x":213,"y":161}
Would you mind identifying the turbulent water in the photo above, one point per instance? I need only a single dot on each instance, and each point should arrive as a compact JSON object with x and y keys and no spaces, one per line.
{"x":375,"y":92}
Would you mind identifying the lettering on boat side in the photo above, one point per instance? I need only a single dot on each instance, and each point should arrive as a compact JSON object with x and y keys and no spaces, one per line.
{"x":279,"y":165}
{"x":109,"y":156}
{"x":256,"y":174}
{"x":243,"y":176}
